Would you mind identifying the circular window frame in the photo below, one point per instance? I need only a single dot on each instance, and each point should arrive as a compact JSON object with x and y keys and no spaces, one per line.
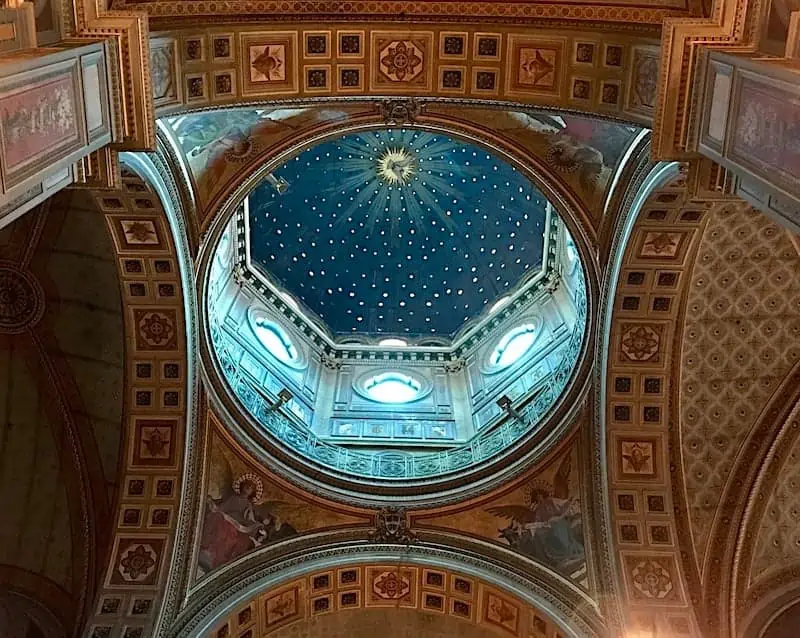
{"x":490,"y":368}
{"x":359,"y":386}
{"x":255,"y":313}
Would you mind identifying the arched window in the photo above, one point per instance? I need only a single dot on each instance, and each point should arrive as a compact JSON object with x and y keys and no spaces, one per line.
{"x":392,"y":387}
{"x":276,"y":341}
{"x":499,"y":304}
{"x":393,"y":342}
{"x":513,"y":346}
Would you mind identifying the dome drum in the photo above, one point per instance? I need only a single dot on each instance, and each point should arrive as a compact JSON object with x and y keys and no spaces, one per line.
{"x":388,"y":411}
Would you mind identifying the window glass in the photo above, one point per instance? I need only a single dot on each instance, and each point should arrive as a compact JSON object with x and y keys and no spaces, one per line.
{"x":392,"y":387}
{"x":393,"y":341}
{"x":514,"y":344}
{"x":276,"y":341}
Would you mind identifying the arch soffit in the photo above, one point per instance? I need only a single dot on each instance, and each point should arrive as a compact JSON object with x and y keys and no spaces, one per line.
{"x":268,"y":574}
{"x":653,"y":251}
{"x":158,"y":459}
{"x":648,"y":492}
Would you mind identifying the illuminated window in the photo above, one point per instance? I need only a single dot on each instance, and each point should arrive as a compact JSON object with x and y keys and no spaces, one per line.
{"x":514,"y":344}
{"x":392,"y":387}
{"x":393,"y":342}
{"x":276,"y":341}
{"x":499,"y":304}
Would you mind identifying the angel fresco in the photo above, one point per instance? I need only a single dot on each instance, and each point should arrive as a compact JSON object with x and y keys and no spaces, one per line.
{"x":238,"y":521}
{"x":548,"y":526}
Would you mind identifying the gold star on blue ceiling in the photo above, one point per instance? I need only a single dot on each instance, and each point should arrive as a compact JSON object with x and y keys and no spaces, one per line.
{"x":397,"y":231}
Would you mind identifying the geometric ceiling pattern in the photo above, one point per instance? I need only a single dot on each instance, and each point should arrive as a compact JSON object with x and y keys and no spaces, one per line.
{"x":135,"y":507}
{"x":730,"y":278}
{"x":647,"y":308}
{"x":357,"y":600}
{"x":741,"y":339}
{"x":574,"y":69}
{"x":397,"y":230}
{"x":154,"y":420}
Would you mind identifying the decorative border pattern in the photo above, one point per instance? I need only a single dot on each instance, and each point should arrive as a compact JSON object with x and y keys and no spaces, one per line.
{"x":223,"y":67}
{"x":155,"y":413}
{"x":175,"y":12}
{"x":647,"y":308}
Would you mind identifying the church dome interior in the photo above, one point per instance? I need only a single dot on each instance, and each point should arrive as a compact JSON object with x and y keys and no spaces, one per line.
{"x":430,"y":354}
{"x":431,"y":319}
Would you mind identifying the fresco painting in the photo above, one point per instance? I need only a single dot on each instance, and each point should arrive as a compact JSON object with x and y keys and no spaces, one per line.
{"x":38,"y":120}
{"x":541,"y":518}
{"x":217,"y":144}
{"x":584,"y":152}
{"x":766,"y":137}
{"x":246,"y":509}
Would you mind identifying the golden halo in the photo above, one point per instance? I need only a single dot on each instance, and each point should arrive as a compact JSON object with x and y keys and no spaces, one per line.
{"x":255,"y":480}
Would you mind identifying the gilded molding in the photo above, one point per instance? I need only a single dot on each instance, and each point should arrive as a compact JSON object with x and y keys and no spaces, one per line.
{"x":732,"y":25}
{"x":269,"y":568}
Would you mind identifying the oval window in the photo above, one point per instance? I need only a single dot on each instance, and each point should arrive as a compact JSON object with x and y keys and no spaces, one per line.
{"x":276,"y":341}
{"x":514,"y":344}
{"x":392,"y":387}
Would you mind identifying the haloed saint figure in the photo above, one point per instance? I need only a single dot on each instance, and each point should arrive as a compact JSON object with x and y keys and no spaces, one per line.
{"x":238,"y":522}
{"x":548,"y":528}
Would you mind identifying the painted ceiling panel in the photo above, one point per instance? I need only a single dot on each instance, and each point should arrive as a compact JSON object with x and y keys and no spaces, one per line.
{"x":399,"y":231}
{"x":740,"y":341}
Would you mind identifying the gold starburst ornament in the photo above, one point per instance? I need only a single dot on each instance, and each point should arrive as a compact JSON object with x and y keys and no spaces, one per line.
{"x":397,"y":166}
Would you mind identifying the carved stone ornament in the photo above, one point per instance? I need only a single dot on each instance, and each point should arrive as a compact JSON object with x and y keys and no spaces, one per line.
{"x":455,"y":366}
{"x":21,"y":299}
{"x":330,"y":363}
{"x":392,"y":527}
{"x":238,"y":274}
{"x":551,"y":283}
{"x":400,"y":111}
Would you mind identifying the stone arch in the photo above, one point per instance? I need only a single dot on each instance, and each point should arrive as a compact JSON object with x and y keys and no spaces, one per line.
{"x":152,"y":256}
{"x":218,"y":605}
{"x":62,"y":350}
{"x":23,"y":616}
{"x":645,"y":285}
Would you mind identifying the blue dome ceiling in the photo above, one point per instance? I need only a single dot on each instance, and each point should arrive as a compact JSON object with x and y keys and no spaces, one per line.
{"x":397,"y":231}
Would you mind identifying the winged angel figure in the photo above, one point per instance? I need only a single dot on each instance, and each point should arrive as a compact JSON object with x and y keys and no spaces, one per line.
{"x":237,"y":520}
{"x":548,"y":526}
